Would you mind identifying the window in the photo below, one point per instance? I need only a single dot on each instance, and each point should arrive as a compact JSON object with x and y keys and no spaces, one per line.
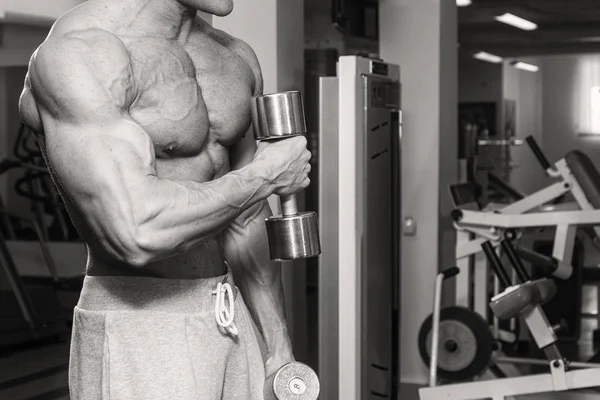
{"x":595,"y":110}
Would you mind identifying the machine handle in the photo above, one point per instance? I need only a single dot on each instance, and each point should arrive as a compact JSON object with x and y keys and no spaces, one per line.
{"x":499,"y":142}
{"x":548,"y":264}
{"x":496,"y":264}
{"x":450,"y":272}
{"x":538,"y":153}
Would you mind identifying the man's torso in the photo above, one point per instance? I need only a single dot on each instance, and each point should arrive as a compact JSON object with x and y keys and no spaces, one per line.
{"x":192,"y":98}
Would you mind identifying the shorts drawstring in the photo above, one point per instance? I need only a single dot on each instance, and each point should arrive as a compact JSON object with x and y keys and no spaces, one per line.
{"x":224,"y":314}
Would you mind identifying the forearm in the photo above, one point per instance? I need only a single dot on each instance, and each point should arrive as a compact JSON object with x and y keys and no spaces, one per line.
{"x":259,"y":278}
{"x":173,"y":215}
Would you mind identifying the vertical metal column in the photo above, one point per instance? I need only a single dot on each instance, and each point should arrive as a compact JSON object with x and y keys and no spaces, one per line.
{"x":378,"y":268}
{"x":359,"y":210}
{"x":328,"y":268}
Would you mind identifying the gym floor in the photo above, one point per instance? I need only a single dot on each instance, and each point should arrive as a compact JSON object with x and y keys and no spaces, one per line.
{"x":39,"y":372}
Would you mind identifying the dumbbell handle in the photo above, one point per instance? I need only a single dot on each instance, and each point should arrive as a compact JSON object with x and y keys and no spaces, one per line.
{"x":289,"y":205}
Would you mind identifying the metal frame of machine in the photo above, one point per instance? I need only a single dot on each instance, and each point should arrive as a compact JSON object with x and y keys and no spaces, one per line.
{"x":476,"y":228}
{"x":343,"y":165}
{"x":559,"y":379}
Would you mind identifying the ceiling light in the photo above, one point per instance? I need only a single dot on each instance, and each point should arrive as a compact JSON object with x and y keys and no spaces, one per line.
{"x":526,"y":67}
{"x":517,"y":22}
{"x":483,"y":56}
{"x":463,"y":3}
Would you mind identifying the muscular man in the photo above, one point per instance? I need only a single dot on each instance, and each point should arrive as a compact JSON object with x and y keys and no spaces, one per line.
{"x":142,"y":111}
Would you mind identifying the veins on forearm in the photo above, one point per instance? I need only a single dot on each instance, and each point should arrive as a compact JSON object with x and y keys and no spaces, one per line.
{"x":214,"y":203}
{"x":217,"y":190}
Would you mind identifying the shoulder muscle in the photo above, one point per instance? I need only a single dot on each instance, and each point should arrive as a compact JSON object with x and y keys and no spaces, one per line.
{"x":246,"y":52}
{"x":82,"y":75}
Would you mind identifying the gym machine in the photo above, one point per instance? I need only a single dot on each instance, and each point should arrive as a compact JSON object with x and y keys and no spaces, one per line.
{"x":36,"y":303}
{"x":29,"y":310}
{"x":358,"y":183}
{"x":576,"y":175}
{"x":35,"y":184}
{"x":523,"y":299}
{"x":487,"y":232}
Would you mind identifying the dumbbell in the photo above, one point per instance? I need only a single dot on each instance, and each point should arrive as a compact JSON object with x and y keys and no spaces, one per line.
{"x":293,"y":234}
{"x":293,"y":381}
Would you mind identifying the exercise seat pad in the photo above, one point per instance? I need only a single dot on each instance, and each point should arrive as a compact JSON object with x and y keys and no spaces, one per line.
{"x":522,"y":298}
{"x":587,"y":175}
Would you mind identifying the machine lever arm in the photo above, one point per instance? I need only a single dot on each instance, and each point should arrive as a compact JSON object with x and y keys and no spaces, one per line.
{"x":496,"y":264}
{"x":538,"y":153}
{"x":547,"y":264}
{"x":450,"y":272}
{"x":514,"y":259}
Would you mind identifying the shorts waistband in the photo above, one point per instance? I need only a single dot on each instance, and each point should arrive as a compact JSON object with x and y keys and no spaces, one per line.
{"x":106,"y":293}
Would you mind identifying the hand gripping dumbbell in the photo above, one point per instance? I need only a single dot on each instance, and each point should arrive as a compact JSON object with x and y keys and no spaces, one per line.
{"x":293,"y":381}
{"x":294,"y":234}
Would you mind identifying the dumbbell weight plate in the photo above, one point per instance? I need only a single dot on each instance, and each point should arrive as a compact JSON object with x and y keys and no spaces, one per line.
{"x":293,"y":236}
{"x":278,"y":115}
{"x":294,"y":381}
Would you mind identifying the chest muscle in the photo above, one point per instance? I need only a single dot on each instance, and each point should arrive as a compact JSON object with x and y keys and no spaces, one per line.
{"x":189,"y":100}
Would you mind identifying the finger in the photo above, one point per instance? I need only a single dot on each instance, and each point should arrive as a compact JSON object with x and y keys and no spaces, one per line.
{"x":302,"y":140}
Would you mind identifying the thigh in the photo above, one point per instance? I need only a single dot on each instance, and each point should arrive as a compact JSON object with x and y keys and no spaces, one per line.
{"x":137,"y":355}
{"x":245,"y":373}
{"x":147,"y":356}
{"x":86,"y":363}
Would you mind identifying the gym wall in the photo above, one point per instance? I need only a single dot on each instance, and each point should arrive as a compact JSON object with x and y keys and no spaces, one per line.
{"x":429,"y":79}
{"x":486,"y":82}
{"x":567,"y":82}
{"x":319,"y":32}
{"x":35,"y":11}
{"x":525,"y":88}
{"x":480,"y":82}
